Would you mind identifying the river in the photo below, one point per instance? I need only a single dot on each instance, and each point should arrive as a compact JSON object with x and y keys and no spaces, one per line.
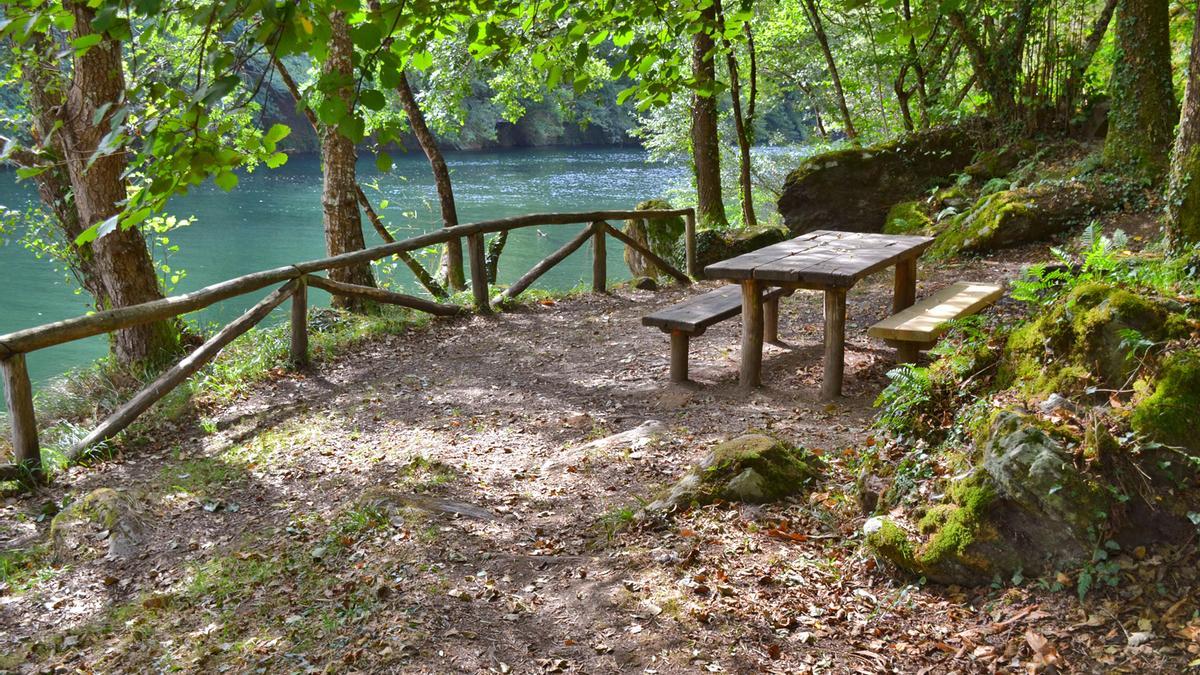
{"x":273,"y":218}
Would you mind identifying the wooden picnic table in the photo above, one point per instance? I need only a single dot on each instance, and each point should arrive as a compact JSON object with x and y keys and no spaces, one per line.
{"x":822,"y":260}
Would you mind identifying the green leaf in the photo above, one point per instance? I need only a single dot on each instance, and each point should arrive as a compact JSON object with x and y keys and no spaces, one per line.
{"x":383,"y":162}
{"x":86,"y":42}
{"x":226,"y":180}
{"x":372,"y":99}
{"x":422,"y":61}
{"x":277,"y":133}
{"x":276,"y":160}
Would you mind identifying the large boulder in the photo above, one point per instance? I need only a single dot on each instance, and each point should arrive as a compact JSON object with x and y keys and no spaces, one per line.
{"x":660,"y":235}
{"x":713,"y":246}
{"x":1025,"y":508}
{"x":853,"y":189}
{"x":1012,"y":217}
{"x":752,"y":468}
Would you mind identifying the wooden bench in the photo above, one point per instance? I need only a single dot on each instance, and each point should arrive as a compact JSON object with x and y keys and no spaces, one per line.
{"x":919,"y":326}
{"x":693,"y":316}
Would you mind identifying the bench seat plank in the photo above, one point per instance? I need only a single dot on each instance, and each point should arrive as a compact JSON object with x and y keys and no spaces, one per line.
{"x":926,"y":320}
{"x":696,"y":314}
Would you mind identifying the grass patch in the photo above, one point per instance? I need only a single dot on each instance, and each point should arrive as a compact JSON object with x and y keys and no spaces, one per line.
{"x":24,"y":568}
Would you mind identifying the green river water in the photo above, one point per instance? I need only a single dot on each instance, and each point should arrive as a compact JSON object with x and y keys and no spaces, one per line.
{"x":273,"y":218}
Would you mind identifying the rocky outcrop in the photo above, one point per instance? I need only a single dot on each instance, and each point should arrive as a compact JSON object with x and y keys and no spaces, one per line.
{"x":752,"y":468}
{"x":907,"y":218}
{"x":1025,"y":508}
{"x":1084,"y":341}
{"x":1023,"y":215}
{"x":853,"y":189}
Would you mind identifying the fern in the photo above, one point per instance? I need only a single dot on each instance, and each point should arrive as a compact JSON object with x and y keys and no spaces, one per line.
{"x":902,"y":402}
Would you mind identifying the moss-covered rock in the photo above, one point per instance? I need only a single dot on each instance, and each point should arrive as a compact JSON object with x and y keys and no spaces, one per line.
{"x":1083,"y":340}
{"x":998,"y":162}
{"x":853,"y":189}
{"x":752,"y":468}
{"x":1024,"y":508}
{"x":713,"y":246}
{"x":103,"y":514}
{"x":1169,"y":414}
{"x":906,"y":218}
{"x":1012,"y":217}
{"x":661,"y":235}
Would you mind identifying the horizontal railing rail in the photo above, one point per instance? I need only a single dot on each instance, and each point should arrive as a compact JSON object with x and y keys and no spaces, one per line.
{"x":296,"y":279}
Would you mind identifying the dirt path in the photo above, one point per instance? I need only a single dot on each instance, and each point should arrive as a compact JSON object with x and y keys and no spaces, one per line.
{"x":421,"y":506}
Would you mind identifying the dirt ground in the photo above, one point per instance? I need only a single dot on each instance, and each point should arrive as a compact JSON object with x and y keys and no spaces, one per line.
{"x":422,"y":505}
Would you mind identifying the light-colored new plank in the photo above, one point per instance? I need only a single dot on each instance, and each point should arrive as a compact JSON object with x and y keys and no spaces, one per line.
{"x":927,"y":319}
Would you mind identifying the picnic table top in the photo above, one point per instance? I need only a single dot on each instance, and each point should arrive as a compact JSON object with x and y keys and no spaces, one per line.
{"x":825,"y":258}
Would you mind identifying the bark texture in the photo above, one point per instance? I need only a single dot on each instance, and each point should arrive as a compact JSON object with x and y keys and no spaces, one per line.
{"x":339,"y":197}
{"x":706,"y":150}
{"x":1183,"y":203}
{"x":1143,"y":103}
{"x":115,"y":269}
{"x":452,"y":260}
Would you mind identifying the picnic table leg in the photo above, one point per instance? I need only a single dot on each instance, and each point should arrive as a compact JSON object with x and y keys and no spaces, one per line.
{"x":752,"y":334}
{"x":771,"y":320}
{"x":679,"y":356}
{"x":905,"y":293}
{"x":835,"y":342}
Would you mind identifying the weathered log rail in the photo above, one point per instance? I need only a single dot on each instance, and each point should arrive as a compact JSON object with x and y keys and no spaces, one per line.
{"x":295,"y":279}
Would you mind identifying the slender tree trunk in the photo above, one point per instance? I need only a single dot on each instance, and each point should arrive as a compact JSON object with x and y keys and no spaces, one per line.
{"x":914,"y":57}
{"x":1143,"y":111}
{"x":706,"y":150}
{"x":743,"y":137}
{"x":1080,"y":63}
{"x":1183,"y":197}
{"x":118,"y":264}
{"x":339,"y":196}
{"x":813,"y":14}
{"x":452,"y":261}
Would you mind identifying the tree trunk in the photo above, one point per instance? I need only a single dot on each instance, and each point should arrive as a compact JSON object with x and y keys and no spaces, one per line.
{"x":706,"y":149}
{"x":743,"y":138}
{"x":117,"y":268}
{"x":339,"y":197}
{"x":818,"y":27}
{"x":1143,"y":111}
{"x":1183,"y":197}
{"x":1080,"y":63}
{"x":997,"y":66}
{"x":452,"y":261}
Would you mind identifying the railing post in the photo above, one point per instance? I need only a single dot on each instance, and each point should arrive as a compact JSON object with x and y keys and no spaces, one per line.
{"x":689,"y":243}
{"x":479,"y":282}
{"x":299,"y":349}
{"x":18,"y":394}
{"x":599,"y":259}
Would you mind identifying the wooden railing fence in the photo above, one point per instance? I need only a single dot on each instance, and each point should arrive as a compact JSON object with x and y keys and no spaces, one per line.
{"x":18,"y":391}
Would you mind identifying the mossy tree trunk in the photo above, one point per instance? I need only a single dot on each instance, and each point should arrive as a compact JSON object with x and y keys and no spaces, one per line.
{"x":452,"y":259}
{"x":73,"y":114}
{"x":1143,"y":103}
{"x":1183,"y":198}
{"x":706,"y":149}
{"x":339,"y":197}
